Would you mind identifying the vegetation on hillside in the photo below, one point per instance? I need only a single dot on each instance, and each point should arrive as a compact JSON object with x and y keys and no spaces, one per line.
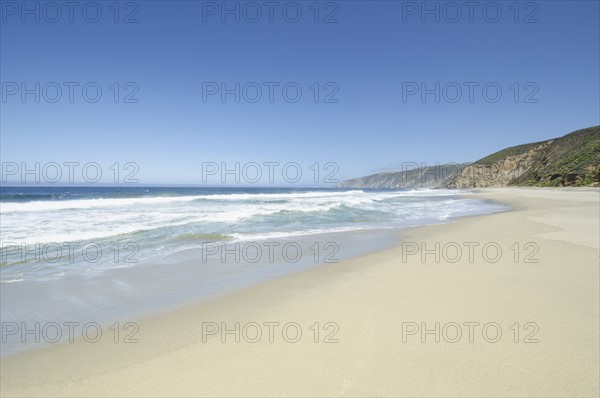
{"x":572,"y":160}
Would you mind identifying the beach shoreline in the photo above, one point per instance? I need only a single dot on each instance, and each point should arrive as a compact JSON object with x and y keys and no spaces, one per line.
{"x":100,"y":294}
{"x":371,"y":304}
{"x":125,"y":295}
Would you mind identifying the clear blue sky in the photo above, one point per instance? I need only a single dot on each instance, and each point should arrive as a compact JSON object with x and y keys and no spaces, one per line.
{"x":374,"y":49}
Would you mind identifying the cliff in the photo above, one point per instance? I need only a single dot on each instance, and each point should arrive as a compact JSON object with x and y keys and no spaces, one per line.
{"x":412,"y":176}
{"x":571,"y":160}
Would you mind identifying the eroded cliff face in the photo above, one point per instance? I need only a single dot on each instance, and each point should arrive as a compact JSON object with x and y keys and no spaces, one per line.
{"x":501,"y":173}
{"x":571,"y":160}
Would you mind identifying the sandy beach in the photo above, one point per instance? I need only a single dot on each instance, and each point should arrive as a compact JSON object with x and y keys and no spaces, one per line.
{"x":511,"y":298}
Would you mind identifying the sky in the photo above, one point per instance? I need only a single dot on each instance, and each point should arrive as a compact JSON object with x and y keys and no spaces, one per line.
{"x":178,"y":92}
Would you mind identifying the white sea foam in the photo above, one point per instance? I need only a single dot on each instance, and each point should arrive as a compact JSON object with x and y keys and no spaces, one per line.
{"x":155,"y":223}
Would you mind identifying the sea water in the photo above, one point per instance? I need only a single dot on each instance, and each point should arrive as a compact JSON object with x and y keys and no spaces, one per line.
{"x":105,"y":254}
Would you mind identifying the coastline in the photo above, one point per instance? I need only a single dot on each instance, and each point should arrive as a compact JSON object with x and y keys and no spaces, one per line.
{"x":92,"y":294}
{"x":371,"y":298}
{"x":128,"y":294}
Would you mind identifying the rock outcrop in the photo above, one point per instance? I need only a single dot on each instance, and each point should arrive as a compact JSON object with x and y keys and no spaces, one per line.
{"x":572,"y":160}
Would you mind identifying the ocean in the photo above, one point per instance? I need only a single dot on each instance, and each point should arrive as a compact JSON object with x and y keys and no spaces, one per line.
{"x":55,"y":232}
{"x":99,"y":255}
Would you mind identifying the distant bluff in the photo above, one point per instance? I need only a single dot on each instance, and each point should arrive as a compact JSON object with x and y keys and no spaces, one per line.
{"x":571,"y":160}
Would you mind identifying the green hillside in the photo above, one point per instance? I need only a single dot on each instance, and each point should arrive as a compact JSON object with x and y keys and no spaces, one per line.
{"x":572,"y":160}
